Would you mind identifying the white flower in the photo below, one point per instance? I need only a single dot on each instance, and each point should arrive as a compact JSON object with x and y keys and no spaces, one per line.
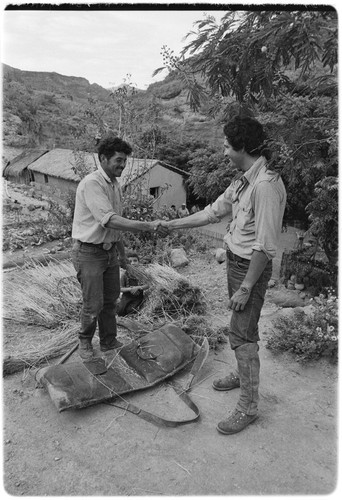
{"x":319,"y":329}
{"x":334,"y":338}
{"x":331,"y":328}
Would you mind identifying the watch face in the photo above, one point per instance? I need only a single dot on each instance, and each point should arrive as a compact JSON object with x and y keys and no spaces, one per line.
{"x":244,"y":289}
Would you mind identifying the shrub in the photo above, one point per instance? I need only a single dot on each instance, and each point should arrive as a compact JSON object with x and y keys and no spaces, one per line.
{"x":309,"y":337}
{"x":316,"y":275}
{"x":150,"y":246}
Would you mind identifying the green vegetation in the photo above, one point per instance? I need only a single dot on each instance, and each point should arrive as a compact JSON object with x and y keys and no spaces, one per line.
{"x":309,"y":336}
{"x":279,"y":66}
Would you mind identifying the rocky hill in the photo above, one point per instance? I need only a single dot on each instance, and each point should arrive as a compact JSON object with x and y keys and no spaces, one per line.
{"x":48,"y":110}
{"x":75,"y":87}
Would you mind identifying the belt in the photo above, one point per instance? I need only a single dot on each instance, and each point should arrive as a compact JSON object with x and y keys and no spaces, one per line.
{"x":236,"y":258}
{"x":102,"y":246}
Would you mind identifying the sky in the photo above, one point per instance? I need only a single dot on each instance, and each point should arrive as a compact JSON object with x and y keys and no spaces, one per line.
{"x":101,"y":46}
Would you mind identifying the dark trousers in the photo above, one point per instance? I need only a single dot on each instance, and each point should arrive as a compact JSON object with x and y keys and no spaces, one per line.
{"x":244,"y":332}
{"x":99,"y":277}
{"x":244,"y":324}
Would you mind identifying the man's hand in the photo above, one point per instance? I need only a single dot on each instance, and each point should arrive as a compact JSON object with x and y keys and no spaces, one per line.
{"x":239,"y":299}
{"x":161,"y":227}
{"x":123,"y":261}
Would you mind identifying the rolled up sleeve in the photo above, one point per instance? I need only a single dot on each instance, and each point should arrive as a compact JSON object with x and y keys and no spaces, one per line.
{"x":268,"y":218}
{"x":221,"y":207}
{"x":98,"y":203}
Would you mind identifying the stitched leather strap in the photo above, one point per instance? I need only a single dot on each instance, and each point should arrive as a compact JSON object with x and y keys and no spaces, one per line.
{"x":156,"y":419}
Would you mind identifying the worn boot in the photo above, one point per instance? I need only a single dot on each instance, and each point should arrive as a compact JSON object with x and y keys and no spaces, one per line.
{"x":85,"y":349}
{"x":231,"y":381}
{"x":115,"y":344}
{"x":247,"y":358}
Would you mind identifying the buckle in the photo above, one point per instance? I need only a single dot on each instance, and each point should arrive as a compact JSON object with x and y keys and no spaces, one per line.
{"x":107,"y":246}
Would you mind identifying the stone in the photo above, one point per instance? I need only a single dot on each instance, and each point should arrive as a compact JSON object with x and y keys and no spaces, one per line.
{"x":178,"y":257}
{"x":307,"y":310}
{"x":220,"y":255}
{"x":286,"y":298}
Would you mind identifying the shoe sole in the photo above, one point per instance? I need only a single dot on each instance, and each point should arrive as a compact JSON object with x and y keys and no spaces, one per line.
{"x":224,"y":388}
{"x":235,"y":432}
{"x":112,"y":349}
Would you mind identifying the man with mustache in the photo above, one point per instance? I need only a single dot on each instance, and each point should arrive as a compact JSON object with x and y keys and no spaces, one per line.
{"x":98,"y":250}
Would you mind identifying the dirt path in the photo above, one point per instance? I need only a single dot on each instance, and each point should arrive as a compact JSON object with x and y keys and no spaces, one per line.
{"x":290,"y":450}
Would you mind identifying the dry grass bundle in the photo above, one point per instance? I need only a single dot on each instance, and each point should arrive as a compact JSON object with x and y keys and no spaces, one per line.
{"x":170,"y":294}
{"x":43,"y":295}
{"x":58,"y":343}
{"x":199,"y":327}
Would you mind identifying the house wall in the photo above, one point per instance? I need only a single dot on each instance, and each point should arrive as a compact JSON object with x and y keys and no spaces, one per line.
{"x":56,"y":188}
{"x":22,"y":178}
{"x":160,"y":177}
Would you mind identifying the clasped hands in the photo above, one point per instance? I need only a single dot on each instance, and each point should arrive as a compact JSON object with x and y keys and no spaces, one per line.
{"x":161,"y":227}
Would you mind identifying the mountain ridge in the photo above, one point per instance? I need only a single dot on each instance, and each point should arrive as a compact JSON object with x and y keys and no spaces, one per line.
{"x":47,"y":109}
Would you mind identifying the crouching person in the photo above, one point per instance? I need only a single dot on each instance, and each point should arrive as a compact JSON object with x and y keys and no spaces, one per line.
{"x":132,"y":291}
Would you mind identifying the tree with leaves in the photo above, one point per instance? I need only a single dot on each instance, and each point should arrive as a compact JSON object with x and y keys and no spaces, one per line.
{"x":279,"y":66}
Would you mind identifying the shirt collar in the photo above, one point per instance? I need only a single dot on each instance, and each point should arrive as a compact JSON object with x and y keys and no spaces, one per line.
{"x":103,"y":173}
{"x":253,"y":172}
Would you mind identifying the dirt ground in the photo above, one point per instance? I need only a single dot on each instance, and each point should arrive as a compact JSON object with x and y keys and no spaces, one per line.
{"x":102,"y":450}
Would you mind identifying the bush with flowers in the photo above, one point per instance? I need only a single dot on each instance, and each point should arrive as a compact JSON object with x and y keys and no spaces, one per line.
{"x":309,"y":336}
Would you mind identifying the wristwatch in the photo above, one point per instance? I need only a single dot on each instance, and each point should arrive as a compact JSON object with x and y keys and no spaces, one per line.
{"x":245,"y":289}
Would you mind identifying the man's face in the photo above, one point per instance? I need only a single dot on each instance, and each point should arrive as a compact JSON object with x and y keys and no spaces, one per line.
{"x":235,"y":157}
{"x":115,"y":165}
{"x":133,"y":261}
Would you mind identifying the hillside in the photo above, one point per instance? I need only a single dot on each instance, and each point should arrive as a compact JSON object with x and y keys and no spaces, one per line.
{"x":51,"y":110}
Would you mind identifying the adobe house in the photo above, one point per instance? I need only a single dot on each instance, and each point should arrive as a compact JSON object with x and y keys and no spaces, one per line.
{"x":157,"y":178}
{"x":52,"y":174}
{"x":16,"y":170}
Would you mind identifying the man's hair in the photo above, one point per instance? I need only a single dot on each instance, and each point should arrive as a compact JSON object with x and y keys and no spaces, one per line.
{"x":110,"y":144}
{"x":247,"y":133}
{"x":131,"y":253}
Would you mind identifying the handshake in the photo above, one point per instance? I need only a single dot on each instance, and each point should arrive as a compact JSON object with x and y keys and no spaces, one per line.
{"x":161,"y":227}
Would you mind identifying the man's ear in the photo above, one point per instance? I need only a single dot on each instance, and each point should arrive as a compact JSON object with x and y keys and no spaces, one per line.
{"x":103,"y":158}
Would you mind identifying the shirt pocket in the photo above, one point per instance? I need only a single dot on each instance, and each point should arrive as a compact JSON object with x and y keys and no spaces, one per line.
{"x":245,"y":216}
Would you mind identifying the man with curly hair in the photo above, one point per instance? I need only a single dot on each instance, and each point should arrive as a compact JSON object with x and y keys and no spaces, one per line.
{"x":98,"y":249}
{"x":255,"y":203}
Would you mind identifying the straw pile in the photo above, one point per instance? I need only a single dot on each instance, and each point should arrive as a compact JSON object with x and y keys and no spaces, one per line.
{"x":43,"y":295}
{"x":50,"y":296}
{"x":46,"y":296}
{"x":170,"y":294}
{"x":58,"y":343}
{"x":199,"y":327}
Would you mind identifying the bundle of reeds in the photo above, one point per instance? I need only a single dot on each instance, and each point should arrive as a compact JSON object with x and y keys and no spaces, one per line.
{"x":50,"y":296}
{"x":170,"y":294}
{"x":59,"y":341}
{"x":199,"y":327}
{"x":43,"y":295}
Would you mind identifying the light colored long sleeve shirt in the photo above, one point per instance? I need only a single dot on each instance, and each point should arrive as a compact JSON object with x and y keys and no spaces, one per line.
{"x":97,"y":199}
{"x":255,"y":204}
